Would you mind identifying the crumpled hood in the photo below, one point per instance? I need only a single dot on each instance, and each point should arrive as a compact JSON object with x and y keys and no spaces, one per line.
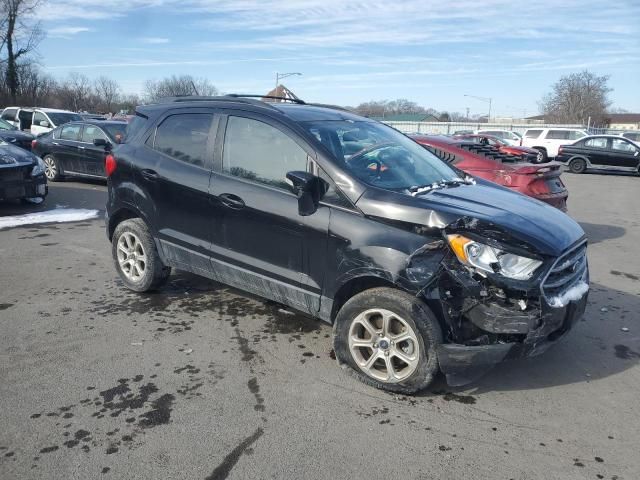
{"x":12,"y":156}
{"x":543,"y":227}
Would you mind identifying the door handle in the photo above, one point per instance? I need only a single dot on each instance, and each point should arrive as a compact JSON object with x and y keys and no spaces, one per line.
{"x":149,"y":174}
{"x":80,"y":148}
{"x":55,"y":143}
{"x":232,"y":201}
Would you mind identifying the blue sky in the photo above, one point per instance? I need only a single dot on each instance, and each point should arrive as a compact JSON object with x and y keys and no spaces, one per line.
{"x":431,"y":52}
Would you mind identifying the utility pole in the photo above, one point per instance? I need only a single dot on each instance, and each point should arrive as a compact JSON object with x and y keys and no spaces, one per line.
{"x":280,"y":76}
{"x":484,"y":99}
{"x":467,"y":117}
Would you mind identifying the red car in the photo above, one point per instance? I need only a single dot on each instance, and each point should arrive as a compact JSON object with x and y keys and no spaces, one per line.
{"x":540,"y":181}
{"x":529,"y":154}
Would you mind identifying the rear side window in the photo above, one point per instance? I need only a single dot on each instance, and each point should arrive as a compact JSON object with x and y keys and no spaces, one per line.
{"x":9,"y":114}
{"x":257,"y":151}
{"x":596,"y":143}
{"x":70,"y":132}
{"x":532,"y":133}
{"x":91,"y":132}
{"x":184,"y":137}
{"x":558,"y":135}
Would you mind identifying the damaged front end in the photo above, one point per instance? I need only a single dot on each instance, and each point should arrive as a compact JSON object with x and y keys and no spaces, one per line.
{"x":500,"y":299}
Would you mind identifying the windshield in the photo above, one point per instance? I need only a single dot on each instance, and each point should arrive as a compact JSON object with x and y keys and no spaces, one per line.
{"x":58,"y":118}
{"x":380,"y":155}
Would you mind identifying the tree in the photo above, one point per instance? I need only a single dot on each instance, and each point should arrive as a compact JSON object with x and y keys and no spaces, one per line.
{"x":381,"y":108}
{"x":20,"y":37}
{"x":75,"y":93}
{"x":107,"y":91}
{"x":576,"y":97}
{"x":177,"y":86}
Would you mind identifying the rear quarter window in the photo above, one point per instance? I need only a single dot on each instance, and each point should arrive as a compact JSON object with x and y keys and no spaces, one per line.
{"x":532,"y":133}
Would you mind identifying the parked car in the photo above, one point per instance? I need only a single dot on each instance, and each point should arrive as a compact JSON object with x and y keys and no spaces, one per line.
{"x":418,"y":266}
{"x":541,"y":182}
{"x":601,"y":152}
{"x":21,"y":175}
{"x":525,"y":153}
{"x":12,"y":135}
{"x":507,"y":136}
{"x":78,"y":148}
{"x":547,"y":140}
{"x":92,"y":116}
{"x":635,"y":136}
{"x":37,"y":120}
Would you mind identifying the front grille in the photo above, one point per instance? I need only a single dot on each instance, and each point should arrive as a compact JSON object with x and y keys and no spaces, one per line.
{"x":568,"y":270}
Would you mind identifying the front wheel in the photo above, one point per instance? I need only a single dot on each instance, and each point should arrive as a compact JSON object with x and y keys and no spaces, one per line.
{"x":136,"y":257}
{"x":388,"y":338}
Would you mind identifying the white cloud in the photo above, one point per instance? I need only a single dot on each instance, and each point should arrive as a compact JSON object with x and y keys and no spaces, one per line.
{"x":66,"y":31}
{"x":154,"y":40}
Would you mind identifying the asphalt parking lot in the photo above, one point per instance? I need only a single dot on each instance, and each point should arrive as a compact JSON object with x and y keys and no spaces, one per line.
{"x":200,"y":381}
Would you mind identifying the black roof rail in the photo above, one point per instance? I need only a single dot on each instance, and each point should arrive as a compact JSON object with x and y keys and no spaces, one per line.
{"x":218,"y":98}
{"x":274,"y":97}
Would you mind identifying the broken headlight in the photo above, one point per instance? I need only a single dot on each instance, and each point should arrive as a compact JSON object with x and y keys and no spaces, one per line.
{"x":491,"y":259}
{"x":38,"y":169}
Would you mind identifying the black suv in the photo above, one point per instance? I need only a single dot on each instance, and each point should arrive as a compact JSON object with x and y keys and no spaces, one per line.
{"x":418,"y":266}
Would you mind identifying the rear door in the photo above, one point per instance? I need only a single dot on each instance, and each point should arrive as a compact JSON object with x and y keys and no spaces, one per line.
{"x":596,"y":150}
{"x":173,"y":169}
{"x":41,"y":123}
{"x":91,"y":157}
{"x":261,"y":243}
{"x":66,"y":148}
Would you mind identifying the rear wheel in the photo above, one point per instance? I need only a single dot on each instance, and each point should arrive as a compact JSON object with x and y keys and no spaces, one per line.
{"x":544,"y":158}
{"x":136,"y":257}
{"x":388,"y":338}
{"x":577,"y":165}
{"x":51,"y":168}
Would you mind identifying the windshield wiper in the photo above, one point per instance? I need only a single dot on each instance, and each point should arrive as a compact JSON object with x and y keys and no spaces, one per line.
{"x":420,"y":189}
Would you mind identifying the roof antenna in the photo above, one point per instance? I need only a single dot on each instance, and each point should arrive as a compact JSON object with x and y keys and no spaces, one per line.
{"x":194,"y":88}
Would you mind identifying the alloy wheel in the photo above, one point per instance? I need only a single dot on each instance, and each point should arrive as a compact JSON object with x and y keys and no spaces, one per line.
{"x":131,"y":256}
{"x":50,"y":168}
{"x":384,"y":345}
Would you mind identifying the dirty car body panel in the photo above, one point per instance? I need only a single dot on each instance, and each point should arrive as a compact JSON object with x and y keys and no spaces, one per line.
{"x":365,"y":234}
{"x":21,"y":176}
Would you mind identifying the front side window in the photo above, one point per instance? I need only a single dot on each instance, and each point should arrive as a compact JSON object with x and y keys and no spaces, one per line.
{"x":91,"y":132}
{"x":259,"y":152}
{"x":532,"y":133}
{"x":184,"y":137}
{"x":38,"y":117}
{"x":596,"y":143}
{"x":379,"y":155}
{"x":70,"y":132}
{"x":622,"y":146}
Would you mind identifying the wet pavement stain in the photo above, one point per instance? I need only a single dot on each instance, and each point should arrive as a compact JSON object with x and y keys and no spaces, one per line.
{"x":464,"y":399}
{"x":254,"y":388}
{"x":630,"y":276}
{"x":625,"y":353}
{"x":161,"y":413}
{"x":4,"y":306}
{"x":222,"y":471}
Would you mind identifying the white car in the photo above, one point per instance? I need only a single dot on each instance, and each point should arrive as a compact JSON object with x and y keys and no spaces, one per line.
{"x":547,"y":140}
{"x":507,"y":136}
{"x":38,"y":120}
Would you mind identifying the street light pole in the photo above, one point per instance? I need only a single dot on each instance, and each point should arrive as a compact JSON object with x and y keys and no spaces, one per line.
{"x":280,"y":76}
{"x":484,"y":99}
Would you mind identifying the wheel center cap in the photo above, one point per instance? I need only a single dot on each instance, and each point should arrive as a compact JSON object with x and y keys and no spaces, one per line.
{"x":384,"y":344}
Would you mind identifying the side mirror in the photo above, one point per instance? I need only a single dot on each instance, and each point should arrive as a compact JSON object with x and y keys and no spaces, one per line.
{"x":44,"y":123}
{"x":309,"y":189}
{"x":101,"y":142}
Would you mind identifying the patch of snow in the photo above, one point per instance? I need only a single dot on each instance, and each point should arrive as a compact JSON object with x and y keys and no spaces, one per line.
{"x":574,"y":293}
{"x":58,"y":215}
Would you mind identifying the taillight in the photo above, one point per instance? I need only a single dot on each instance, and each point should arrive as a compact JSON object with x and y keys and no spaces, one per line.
{"x":559,"y":150}
{"x":110,"y":165}
{"x":33,"y":144}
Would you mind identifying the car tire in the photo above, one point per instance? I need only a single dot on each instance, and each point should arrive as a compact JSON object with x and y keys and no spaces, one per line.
{"x":404,"y":315}
{"x":52,"y":168}
{"x":545,"y":156}
{"x":577,"y":165}
{"x":136,"y":257}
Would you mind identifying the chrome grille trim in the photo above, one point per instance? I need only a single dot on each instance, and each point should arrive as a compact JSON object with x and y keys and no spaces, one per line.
{"x":566,"y":271}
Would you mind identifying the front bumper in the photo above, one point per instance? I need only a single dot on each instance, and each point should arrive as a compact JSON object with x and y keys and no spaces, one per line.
{"x":462,"y":364}
{"x":24,"y":188}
